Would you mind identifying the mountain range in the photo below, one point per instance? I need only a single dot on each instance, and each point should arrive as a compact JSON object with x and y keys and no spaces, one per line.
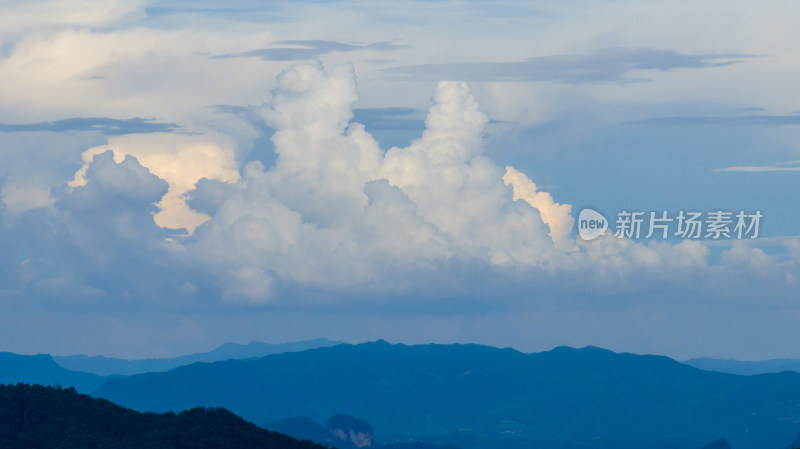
{"x":469,"y":396}
{"x":479,"y":397}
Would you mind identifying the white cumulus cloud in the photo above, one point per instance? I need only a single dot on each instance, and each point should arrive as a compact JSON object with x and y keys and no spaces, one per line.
{"x":336,"y":211}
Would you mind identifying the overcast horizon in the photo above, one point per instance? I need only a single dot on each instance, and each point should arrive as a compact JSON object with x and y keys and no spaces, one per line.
{"x":175,"y":175}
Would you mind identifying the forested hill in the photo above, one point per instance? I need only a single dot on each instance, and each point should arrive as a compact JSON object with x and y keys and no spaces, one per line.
{"x":33,"y":417}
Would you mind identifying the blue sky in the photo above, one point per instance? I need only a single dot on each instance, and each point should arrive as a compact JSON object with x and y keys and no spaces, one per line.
{"x":175,"y":175}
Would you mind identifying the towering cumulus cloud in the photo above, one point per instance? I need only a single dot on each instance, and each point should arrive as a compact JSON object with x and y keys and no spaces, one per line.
{"x":337,"y":211}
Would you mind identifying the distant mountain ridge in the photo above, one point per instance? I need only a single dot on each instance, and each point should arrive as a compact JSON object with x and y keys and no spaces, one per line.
{"x":304,"y":428}
{"x":106,"y":366}
{"x":745,"y":368}
{"x":42,"y":369}
{"x":478,"y":397}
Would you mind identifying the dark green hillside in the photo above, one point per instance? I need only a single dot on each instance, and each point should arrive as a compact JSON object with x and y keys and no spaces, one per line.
{"x":33,"y":417}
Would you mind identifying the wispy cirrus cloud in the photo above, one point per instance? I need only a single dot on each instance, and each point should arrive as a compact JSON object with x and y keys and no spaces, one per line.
{"x":308,"y":49}
{"x":781,"y":166}
{"x":605,"y":65}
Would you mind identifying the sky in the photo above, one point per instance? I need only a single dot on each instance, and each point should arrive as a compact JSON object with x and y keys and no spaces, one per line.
{"x":175,"y":175}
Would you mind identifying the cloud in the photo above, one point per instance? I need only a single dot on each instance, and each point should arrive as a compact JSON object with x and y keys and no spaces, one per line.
{"x":107,"y":126}
{"x":308,"y":49}
{"x":783,"y":166}
{"x":611,"y":65}
{"x":35,"y":165}
{"x":460,"y":190}
{"x":180,"y":160}
{"x":20,"y":15}
{"x":757,"y":168}
{"x":391,"y":118}
{"x":337,"y":213}
{"x":749,"y":120}
{"x":558,"y":217}
{"x":335,"y":217}
{"x":244,"y":10}
{"x":104,"y":181}
{"x":19,"y":198}
{"x":342,"y":223}
{"x":90,"y":75}
{"x":94,"y":242}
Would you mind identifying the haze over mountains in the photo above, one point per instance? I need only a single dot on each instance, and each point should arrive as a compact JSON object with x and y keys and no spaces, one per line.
{"x":86,"y":373}
{"x":42,"y":369}
{"x":746,"y":368}
{"x":106,"y":366}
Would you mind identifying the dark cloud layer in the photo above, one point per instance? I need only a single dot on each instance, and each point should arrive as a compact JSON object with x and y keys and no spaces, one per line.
{"x":308,"y":49}
{"x":606,"y":65}
{"x":392,"y":118}
{"x":747,"y":120}
{"x":108,"y":126}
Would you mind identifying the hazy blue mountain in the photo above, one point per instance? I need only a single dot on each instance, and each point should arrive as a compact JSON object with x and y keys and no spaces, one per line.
{"x":476,"y":396}
{"x":41,"y":369}
{"x":105,"y":366}
{"x":304,"y":428}
{"x":745,"y":368}
{"x":37,"y":417}
{"x":718,"y":444}
{"x":412,"y":445}
{"x":349,"y":429}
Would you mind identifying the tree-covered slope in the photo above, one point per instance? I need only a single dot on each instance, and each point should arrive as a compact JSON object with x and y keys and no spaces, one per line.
{"x":34,"y":417}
